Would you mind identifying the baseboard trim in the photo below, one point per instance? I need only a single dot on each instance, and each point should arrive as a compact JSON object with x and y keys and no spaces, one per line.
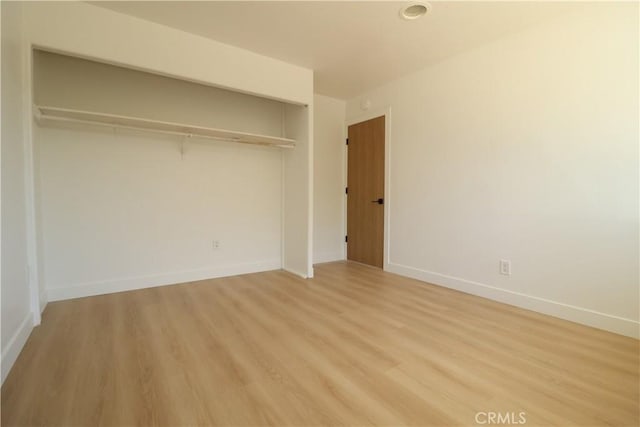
{"x":297,"y":273}
{"x":322,"y":257}
{"x":608,"y":322}
{"x":15,"y":345}
{"x":141,"y":282}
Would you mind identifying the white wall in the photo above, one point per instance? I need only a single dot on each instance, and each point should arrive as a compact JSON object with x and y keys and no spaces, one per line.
{"x":16,"y":312}
{"x":297,"y":207}
{"x":524,"y":149}
{"x":328,"y":188}
{"x":125,"y":211}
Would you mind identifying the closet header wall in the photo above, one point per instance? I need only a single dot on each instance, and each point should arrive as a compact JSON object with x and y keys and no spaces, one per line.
{"x":89,"y":31}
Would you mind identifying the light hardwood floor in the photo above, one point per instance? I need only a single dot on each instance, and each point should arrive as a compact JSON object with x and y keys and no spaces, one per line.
{"x":354,"y":346}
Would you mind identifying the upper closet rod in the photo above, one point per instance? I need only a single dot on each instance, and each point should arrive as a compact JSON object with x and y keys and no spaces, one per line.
{"x":44,"y":114}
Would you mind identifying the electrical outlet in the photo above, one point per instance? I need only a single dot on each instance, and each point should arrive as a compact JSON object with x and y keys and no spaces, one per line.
{"x":215,"y":244}
{"x":505,"y":267}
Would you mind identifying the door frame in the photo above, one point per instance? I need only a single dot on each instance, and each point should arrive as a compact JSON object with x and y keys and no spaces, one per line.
{"x":363,"y":117}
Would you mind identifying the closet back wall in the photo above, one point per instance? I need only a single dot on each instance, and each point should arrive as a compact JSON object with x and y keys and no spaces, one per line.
{"x":121,"y":209}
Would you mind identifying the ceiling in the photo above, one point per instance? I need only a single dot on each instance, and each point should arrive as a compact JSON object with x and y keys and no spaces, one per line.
{"x":351,"y":46}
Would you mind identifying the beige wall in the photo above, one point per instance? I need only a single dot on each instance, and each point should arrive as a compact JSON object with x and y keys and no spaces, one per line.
{"x":525,"y":149}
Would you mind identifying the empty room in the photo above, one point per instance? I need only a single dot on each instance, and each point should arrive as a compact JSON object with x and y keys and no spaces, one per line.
{"x":320,"y":213}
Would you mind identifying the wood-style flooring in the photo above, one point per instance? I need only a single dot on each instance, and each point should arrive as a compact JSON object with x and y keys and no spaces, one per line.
{"x":354,"y":346}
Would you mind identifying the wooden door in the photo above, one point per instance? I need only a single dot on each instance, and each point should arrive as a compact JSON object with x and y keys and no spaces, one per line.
{"x":365,"y":192}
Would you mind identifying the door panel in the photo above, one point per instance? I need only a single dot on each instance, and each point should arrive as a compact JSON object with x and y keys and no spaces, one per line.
{"x":365,"y":182}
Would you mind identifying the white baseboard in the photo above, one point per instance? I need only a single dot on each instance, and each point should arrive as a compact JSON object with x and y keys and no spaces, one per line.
{"x":608,"y":322}
{"x":320,"y":257}
{"x":14,"y":347}
{"x":297,"y":273}
{"x":141,"y":282}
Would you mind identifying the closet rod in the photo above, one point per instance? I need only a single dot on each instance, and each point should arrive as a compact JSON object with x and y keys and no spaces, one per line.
{"x":194,"y":134}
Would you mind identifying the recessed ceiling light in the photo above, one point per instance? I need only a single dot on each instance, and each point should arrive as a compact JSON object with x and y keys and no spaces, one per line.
{"x":414,"y":10}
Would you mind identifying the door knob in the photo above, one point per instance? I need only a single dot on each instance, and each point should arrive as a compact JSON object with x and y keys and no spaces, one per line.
{"x":378,"y":201}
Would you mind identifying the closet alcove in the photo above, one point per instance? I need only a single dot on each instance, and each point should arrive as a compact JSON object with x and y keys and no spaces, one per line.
{"x":143,"y":179}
